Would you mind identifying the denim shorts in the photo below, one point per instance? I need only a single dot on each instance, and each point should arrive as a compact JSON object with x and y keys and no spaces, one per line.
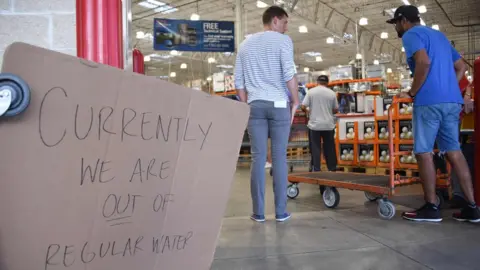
{"x":438,"y":122}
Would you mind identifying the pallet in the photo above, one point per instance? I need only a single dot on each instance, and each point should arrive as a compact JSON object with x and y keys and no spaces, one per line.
{"x":297,"y":151}
{"x":356,"y":169}
{"x":401,"y":172}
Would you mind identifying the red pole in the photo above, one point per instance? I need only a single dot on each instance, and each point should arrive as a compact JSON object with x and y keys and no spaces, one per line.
{"x":99,"y":31}
{"x":138,"y":62}
{"x":476,"y":95}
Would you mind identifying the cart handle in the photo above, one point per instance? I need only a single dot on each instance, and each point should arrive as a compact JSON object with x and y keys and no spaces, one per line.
{"x":392,"y":153}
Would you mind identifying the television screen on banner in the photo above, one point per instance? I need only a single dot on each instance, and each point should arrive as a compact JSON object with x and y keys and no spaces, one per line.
{"x":197,"y":36}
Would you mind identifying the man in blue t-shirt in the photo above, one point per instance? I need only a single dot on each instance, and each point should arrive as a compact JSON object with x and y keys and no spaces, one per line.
{"x":437,"y":68}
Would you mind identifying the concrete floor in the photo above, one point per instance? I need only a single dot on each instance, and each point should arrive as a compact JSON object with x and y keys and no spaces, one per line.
{"x":350,"y":237}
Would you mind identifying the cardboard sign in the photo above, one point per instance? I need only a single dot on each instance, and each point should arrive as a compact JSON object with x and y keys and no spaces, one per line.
{"x":110,"y":169}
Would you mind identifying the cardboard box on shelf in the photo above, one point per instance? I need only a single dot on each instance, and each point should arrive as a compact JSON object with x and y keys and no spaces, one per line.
{"x":407,"y":159}
{"x":383,"y":153}
{"x":383,"y":131}
{"x":405,"y":108}
{"x":350,"y":130}
{"x":346,"y":152}
{"x":387,"y":102}
{"x":109,"y":169}
{"x":369,"y":130}
{"x":366,"y":153}
{"x":406,"y":129}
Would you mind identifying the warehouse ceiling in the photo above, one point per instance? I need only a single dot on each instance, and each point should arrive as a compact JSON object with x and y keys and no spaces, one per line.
{"x":324,"y":19}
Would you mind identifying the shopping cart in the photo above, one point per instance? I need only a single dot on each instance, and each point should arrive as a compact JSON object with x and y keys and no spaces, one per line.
{"x":376,"y":187}
{"x":298,"y":143}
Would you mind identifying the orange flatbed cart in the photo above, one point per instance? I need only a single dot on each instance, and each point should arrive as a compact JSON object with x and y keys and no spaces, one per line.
{"x":376,"y":187}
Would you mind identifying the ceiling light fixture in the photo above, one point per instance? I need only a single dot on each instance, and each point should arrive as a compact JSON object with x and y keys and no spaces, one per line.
{"x":306,"y":69}
{"x":330,"y":40}
{"x":261,"y":4}
{"x":183,"y":66}
{"x":403,"y":49}
{"x":209,"y":79}
{"x":146,"y":58}
{"x":211,"y":60}
{"x":173,"y":75}
{"x":363,"y":21}
{"x":174,"y":52}
{"x":389,"y":70}
{"x":302,"y":29}
{"x":384,"y":35}
{"x":318,"y":59}
{"x":436,"y":27}
{"x":195,"y":17}
{"x":376,"y":62}
{"x":422,"y":9}
{"x":358,"y":56}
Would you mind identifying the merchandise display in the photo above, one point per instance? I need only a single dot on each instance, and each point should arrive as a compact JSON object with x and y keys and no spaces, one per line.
{"x":369,"y":130}
{"x":347,"y":152}
{"x":350,"y":130}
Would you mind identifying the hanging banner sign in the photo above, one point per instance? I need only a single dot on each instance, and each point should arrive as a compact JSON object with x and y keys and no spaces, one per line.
{"x":197,"y":36}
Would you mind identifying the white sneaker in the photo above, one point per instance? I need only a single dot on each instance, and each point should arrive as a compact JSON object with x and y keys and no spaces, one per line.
{"x":268,"y":165}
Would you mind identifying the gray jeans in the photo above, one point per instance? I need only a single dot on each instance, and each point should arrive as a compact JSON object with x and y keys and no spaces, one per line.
{"x":267,"y":120}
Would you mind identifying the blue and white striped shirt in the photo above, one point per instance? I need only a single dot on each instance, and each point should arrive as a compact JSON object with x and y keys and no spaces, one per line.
{"x":264,"y":64}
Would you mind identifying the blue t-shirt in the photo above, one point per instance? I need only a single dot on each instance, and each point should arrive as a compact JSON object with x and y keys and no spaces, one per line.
{"x":441,"y":85}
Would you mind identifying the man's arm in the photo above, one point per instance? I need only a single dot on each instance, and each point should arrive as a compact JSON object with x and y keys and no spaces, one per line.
{"x":415,"y":48}
{"x":240,"y":79}
{"x":422,"y":66}
{"x":289,"y":69}
{"x":460,"y":68}
{"x":289,"y":73}
{"x":306,"y":103}
{"x":459,"y":64}
{"x":335,"y":105}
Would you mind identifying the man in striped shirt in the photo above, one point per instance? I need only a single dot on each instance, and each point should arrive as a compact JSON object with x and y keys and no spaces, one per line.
{"x":265,"y":78}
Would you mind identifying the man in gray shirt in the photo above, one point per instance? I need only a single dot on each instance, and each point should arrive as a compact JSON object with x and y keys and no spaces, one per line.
{"x":322,"y":105}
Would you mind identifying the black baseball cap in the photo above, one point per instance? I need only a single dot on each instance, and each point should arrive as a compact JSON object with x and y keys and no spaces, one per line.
{"x":322,"y":78}
{"x":408,"y":12}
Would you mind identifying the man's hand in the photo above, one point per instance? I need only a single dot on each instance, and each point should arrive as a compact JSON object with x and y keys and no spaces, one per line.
{"x":403,"y":95}
{"x":294,"y":107}
{"x":467,"y":104}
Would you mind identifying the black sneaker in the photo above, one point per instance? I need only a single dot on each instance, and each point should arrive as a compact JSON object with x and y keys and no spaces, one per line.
{"x":469,"y":213}
{"x":429,"y":213}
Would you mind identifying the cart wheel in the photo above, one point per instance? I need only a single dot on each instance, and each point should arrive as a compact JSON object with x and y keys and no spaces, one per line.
{"x":371,"y":196}
{"x":386,"y":209}
{"x":18,"y":90}
{"x":292,"y":191}
{"x":271,"y":172}
{"x":331,"y":197}
{"x":440,"y":199}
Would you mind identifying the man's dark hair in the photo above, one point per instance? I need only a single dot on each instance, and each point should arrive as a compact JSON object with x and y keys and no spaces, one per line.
{"x":272,"y":12}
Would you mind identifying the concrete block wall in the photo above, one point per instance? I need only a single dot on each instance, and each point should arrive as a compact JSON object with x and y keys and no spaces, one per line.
{"x":45,"y":23}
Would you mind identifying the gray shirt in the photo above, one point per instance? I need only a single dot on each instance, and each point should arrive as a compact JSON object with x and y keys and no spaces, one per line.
{"x":321,"y":102}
